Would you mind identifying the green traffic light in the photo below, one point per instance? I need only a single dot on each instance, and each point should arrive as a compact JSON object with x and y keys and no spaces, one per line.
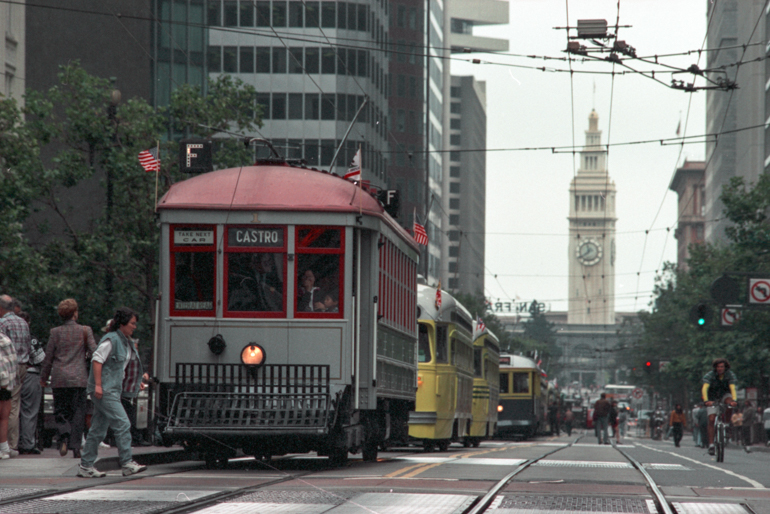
{"x":701,"y":321}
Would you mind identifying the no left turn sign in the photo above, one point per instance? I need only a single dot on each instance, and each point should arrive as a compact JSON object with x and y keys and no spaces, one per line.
{"x":637,"y":393}
{"x":759,"y":291}
{"x":730,"y":316}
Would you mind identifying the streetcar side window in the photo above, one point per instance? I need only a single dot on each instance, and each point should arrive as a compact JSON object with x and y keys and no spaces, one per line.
{"x":477,"y":370}
{"x":442,"y":354}
{"x":504,"y":387}
{"x":521,"y":382}
{"x":255,"y":272}
{"x":423,"y":345}
{"x":193,"y":266}
{"x":319,"y":264}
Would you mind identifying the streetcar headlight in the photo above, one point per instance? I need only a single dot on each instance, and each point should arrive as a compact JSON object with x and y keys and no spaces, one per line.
{"x":253,"y":355}
{"x":499,"y":408}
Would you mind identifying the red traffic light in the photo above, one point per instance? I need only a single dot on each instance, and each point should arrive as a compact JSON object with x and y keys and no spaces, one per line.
{"x":648,"y":364}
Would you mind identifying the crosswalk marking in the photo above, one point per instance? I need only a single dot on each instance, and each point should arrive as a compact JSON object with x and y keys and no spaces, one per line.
{"x":132,"y":495}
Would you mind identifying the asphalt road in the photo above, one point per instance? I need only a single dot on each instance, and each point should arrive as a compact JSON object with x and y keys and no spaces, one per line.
{"x":578,"y":476}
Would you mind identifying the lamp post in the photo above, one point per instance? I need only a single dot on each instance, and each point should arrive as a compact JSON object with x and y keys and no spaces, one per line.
{"x":112,"y":111}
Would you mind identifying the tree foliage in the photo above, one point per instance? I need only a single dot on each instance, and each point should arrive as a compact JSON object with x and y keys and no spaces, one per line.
{"x":669,"y":335}
{"x":71,"y":142}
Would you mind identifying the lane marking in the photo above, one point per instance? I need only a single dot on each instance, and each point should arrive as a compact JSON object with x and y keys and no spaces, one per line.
{"x":754,"y":483}
{"x":420,"y":470}
{"x":404,"y":470}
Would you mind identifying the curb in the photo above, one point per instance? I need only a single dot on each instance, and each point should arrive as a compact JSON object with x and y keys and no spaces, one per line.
{"x":148,"y":459}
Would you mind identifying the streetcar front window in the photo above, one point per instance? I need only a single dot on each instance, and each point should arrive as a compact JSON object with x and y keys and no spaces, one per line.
{"x":477,"y":370}
{"x":255,"y":282}
{"x":194,"y":281}
{"x":423,"y":345}
{"x":504,"y":387}
{"x":320,"y":255}
{"x":521,"y":382}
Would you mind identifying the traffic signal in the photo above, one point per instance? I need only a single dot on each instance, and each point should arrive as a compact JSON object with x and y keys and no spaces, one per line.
{"x":648,"y":367}
{"x":700,"y":315}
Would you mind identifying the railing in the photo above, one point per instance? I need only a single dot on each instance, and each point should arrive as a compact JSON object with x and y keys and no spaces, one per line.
{"x":235,"y":399}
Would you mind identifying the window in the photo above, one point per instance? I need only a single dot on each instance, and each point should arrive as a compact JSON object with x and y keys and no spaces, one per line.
{"x":454,"y":108}
{"x":255,"y":267}
{"x":312,"y":106}
{"x":442,"y":352}
{"x":279,"y":14}
{"x":230,"y":59}
{"x":454,"y":156}
{"x":454,"y":92}
{"x":454,"y":123}
{"x":520,"y":383}
{"x":400,"y":121}
{"x":342,"y":15}
{"x":454,"y":219}
{"x":263,"y":14}
{"x":454,"y":251}
{"x":296,"y":14}
{"x":295,"y":60}
{"x":412,"y":87}
{"x":454,"y":172}
{"x":452,"y":267}
{"x":312,"y":15}
{"x":214,"y":15}
{"x":295,"y":106}
{"x":279,"y":106}
{"x":247,"y":59}
{"x":477,"y":368}
{"x":400,"y":85}
{"x":312,"y":60}
{"x":263,"y":59}
{"x":328,"y":61}
{"x":320,"y":253}
{"x":423,"y":345}
{"x":327,"y":151}
{"x":328,"y":15}
{"x":247,"y":14}
{"x":215,"y":59}
{"x":352,"y":16}
{"x":279,"y":60}
{"x":454,"y":187}
{"x":263,"y":102}
{"x":504,"y":383}
{"x":231,"y":13}
{"x":193,"y":270}
{"x":327,"y":106}
{"x":401,"y":16}
{"x":454,"y":139}
{"x":454,"y":203}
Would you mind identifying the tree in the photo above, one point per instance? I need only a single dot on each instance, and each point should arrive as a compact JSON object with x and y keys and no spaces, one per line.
{"x":540,"y":335}
{"x":102,"y":249}
{"x":477,"y":305}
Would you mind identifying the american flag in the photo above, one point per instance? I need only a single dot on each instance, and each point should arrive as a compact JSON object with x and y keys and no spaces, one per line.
{"x":480,"y":326}
{"x":354,"y":170}
{"x":149,"y":159}
{"x":438,"y":296}
{"x":419,"y":232}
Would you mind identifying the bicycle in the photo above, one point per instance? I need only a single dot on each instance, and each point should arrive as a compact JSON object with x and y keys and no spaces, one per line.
{"x":720,"y":432}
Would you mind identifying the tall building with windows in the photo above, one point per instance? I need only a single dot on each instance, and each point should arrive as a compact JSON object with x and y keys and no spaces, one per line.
{"x":314,"y":65}
{"x":12,"y":52}
{"x":592,"y":235}
{"x":737,"y":31}
{"x":465,"y":186}
{"x":464,"y":129}
{"x":688,"y":185}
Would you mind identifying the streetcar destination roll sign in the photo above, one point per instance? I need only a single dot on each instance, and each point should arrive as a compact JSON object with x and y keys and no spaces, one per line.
{"x":193,"y":237}
{"x":261,"y":237}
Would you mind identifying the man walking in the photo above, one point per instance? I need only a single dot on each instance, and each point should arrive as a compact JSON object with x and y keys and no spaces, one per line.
{"x":601,"y":418}
{"x":17,"y":331}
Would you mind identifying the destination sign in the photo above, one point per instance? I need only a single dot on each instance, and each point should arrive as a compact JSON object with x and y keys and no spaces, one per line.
{"x":261,"y":237}
{"x":184,"y":236}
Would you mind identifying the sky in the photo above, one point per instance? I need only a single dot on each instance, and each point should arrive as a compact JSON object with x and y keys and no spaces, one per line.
{"x":528,"y":191}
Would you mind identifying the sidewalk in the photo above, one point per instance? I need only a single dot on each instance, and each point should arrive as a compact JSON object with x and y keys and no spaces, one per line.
{"x":107,"y":460}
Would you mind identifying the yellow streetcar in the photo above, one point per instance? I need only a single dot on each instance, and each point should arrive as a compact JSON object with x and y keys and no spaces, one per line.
{"x":444,"y":371}
{"x":486,"y":387}
{"x":523,"y":398}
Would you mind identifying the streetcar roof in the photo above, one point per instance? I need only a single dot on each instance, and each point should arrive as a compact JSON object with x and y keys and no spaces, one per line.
{"x":276,"y":187}
{"x":426,"y":299}
{"x":518,"y":361}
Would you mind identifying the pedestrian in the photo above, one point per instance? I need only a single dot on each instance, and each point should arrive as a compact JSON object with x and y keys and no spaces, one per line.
{"x":613,"y":420}
{"x":703,"y":421}
{"x":31,"y":394}
{"x":17,"y":331}
{"x":601,"y":418}
{"x":749,"y":418}
{"x":736,"y":422}
{"x":677,"y":420}
{"x":114,"y":358}
{"x":8,"y":380}
{"x":623,"y":420}
{"x":569,"y":417}
{"x":553,"y":418}
{"x":69,"y":347}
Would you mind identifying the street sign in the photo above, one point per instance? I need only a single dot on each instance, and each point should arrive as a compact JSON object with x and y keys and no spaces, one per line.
{"x":759,"y":291}
{"x":637,"y":393}
{"x":730,"y":316}
{"x":725,"y":290}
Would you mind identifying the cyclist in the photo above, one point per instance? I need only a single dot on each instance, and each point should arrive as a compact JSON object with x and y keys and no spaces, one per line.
{"x":718,"y":383}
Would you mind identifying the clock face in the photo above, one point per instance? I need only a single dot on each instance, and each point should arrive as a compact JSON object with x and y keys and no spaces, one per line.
{"x":589,"y":252}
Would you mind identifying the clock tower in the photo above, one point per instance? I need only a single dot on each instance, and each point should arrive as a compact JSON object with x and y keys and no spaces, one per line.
{"x":592,"y":235}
